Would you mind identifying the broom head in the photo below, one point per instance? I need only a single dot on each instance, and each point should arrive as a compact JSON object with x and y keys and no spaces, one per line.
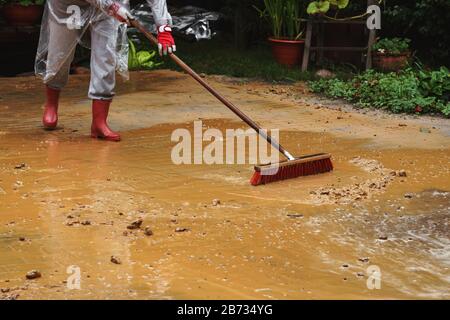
{"x":302,"y":166}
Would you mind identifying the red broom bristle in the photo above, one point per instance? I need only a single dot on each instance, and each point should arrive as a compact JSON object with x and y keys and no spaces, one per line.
{"x":256,"y":178}
{"x":293,"y":171}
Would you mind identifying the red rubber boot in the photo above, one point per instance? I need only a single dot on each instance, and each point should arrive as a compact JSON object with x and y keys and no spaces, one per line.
{"x":50,"y":117}
{"x":99,"y":128}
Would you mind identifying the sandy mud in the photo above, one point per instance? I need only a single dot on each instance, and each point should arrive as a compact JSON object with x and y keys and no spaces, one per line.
{"x":135,"y":225}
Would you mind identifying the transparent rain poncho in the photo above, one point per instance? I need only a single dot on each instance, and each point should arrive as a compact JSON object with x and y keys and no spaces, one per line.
{"x":66,"y":23}
{"x":64,"y":26}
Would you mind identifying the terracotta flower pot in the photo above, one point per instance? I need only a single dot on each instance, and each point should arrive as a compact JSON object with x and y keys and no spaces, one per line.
{"x":390,"y":62}
{"x":287,"y":52}
{"x":18,"y":15}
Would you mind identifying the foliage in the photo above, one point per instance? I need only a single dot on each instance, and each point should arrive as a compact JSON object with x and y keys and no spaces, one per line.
{"x":392,"y":45}
{"x":322,"y":6}
{"x":22,"y":2}
{"x":435,"y":83}
{"x":410,"y":91}
{"x":143,"y":59}
{"x":284,"y":16}
{"x":425,"y":22}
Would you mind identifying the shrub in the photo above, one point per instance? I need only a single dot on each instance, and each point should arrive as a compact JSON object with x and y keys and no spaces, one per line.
{"x":423,"y":21}
{"x":392,"y":45}
{"x":410,"y":91}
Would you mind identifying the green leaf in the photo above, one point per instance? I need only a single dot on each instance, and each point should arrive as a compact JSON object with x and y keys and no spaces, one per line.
{"x":316,"y":7}
{"x":312,"y":8}
{"x":145,"y":58}
{"x":324,"y":6}
{"x":342,"y":4}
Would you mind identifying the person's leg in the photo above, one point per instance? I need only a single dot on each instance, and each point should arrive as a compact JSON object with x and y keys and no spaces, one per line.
{"x":103,"y":81}
{"x":61,"y":49}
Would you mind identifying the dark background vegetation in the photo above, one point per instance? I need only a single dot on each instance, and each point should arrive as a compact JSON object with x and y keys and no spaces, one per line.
{"x":425,"y":22}
{"x":241,"y":49}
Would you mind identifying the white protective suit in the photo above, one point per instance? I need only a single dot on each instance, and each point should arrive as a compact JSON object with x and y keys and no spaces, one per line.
{"x":64,"y":25}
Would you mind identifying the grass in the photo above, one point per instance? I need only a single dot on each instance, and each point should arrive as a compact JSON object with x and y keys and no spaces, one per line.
{"x":219,"y":57}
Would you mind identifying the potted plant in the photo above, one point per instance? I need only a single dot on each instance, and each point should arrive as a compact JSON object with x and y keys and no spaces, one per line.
{"x":22,"y":12}
{"x":284,"y":17}
{"x":391,"y":54}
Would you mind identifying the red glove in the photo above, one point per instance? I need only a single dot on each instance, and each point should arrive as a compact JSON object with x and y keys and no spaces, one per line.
{"x":165,"y":40}
{"x":119,"y":12}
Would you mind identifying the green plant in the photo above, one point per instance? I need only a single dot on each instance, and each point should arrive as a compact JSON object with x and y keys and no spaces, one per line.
{"x":435,"y":83}
{"x":425,"y":22}
{"x":143,"y":59}
{"x":322,"y":6}
{"x":392,"y":45}
{"x":22,"y":2}
{"x":410,"y":91}
{"x":334,"y":88}
{"x":284,"y":16}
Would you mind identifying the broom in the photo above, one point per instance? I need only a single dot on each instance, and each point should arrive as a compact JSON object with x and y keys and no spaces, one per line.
{"x":291,"y":167}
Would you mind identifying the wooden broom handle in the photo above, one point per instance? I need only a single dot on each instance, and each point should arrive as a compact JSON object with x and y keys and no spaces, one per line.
{"x":227,"y":103}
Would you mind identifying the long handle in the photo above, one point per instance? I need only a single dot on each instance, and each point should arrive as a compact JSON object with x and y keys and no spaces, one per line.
{"x":227,"y":103}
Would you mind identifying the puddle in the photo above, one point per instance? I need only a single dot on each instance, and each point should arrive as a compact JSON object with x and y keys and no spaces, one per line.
{"x":73,"y":198}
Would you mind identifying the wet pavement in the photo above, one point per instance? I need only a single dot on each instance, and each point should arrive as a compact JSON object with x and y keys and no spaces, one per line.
{"x":68,"y":201}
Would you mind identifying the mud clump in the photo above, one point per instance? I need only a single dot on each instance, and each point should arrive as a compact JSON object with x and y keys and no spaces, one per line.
{"x":357,"y":191}
{"x":72,"y":223}
{"x":180,"y":229}
{"x":402,"y":173}
{"x":20,"y":166}
{"x":33,"y":274}
{"x":11,"y":293}
{"x":115,"y":260}
{"x":294,"y":215}
{"x":148,"y":232}
{"x":9,"y":296}
{"x":135,"y":224}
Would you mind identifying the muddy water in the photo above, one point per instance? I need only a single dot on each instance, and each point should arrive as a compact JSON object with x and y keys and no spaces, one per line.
{"x":313,"y":237}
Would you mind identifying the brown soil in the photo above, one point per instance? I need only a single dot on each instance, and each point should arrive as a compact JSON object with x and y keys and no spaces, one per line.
{"x":201,"y":231}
